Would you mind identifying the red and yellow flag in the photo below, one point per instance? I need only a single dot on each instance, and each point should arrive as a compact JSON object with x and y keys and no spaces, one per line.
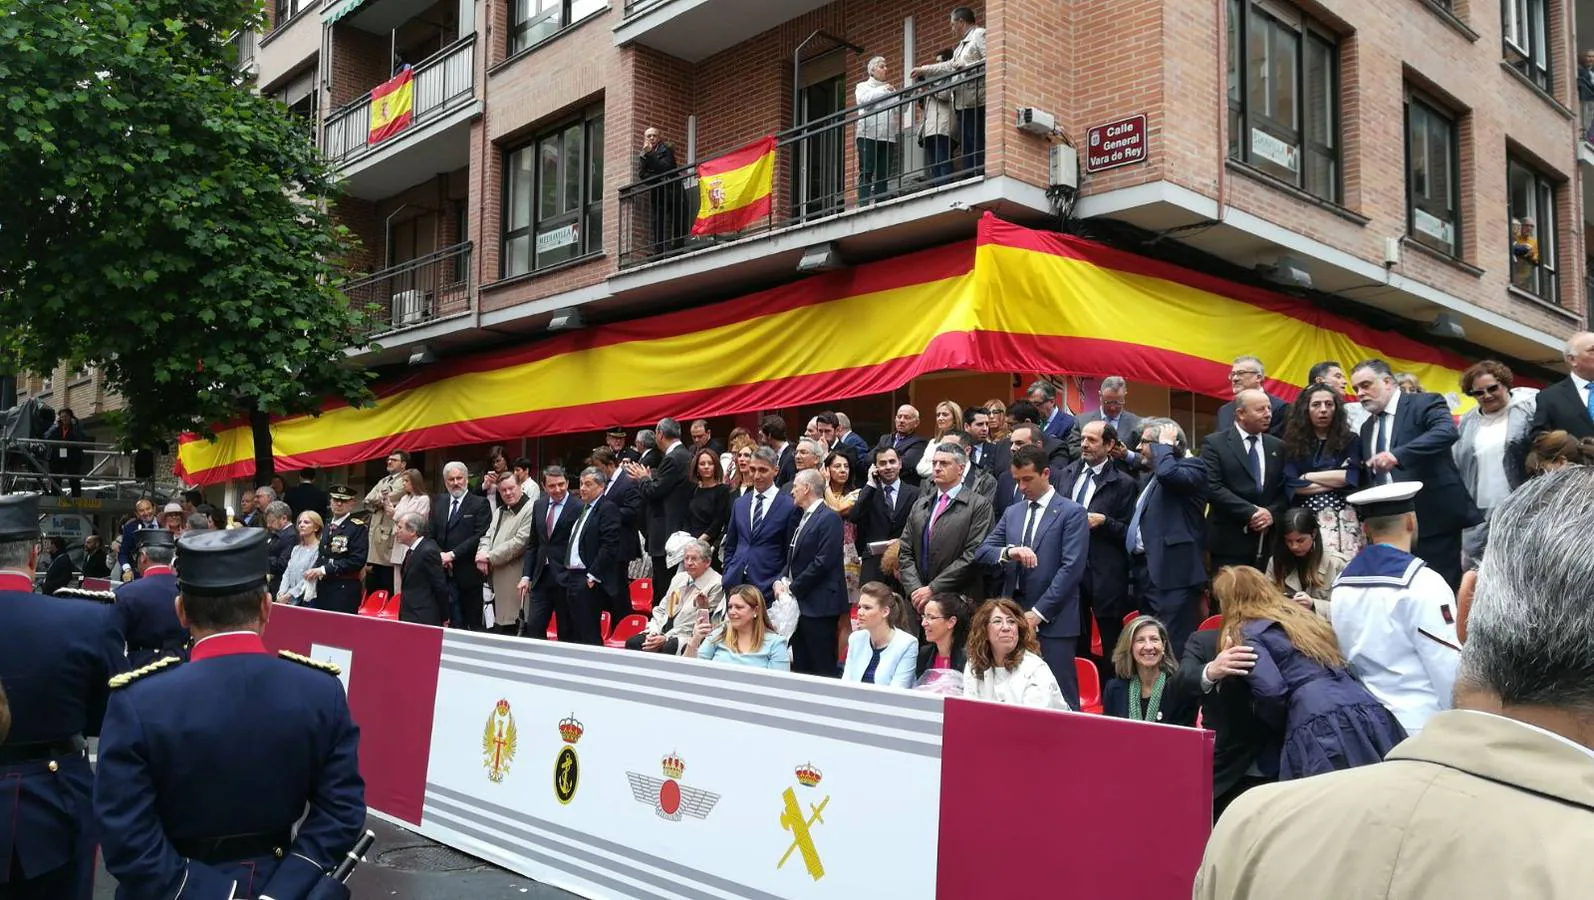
{"x":392,"y":106}
{"x":734,"y":190}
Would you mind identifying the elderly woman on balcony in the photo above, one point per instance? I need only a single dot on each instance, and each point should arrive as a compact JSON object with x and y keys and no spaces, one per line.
{"x":877,"y":132}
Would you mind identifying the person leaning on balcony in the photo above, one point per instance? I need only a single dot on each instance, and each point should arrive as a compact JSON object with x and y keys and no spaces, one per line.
{"x":665,"y":197}
{"x":968,"y":99}
{"x":877,"y":132}
{"x":936,"y":131}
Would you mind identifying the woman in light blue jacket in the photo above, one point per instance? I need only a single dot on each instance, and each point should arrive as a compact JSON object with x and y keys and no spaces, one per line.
{"x":880,"y":652}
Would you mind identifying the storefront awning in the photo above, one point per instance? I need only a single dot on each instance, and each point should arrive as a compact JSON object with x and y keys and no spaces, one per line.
{"x":340,"y":8}
{"x":1012,"y":300}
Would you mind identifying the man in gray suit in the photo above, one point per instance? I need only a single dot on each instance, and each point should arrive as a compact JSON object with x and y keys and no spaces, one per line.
{"x":945,"y":528}
{"x":1114,"y":394}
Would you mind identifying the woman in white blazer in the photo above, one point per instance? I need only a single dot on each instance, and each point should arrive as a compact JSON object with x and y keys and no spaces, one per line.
{"x":879,"y":652}
{"x":1005,"y":664}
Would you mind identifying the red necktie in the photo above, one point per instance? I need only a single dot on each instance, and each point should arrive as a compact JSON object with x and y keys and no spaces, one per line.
{"x":550,"y":521}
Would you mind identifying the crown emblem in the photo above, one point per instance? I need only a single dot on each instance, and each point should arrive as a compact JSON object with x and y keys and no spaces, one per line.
{"x":808,"y":775}
{"x":673,"y":765}
{"x":503,"y":707}
{"x":570,"y":729}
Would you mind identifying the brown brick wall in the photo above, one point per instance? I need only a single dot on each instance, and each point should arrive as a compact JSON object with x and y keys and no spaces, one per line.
{"x":359,"y":62}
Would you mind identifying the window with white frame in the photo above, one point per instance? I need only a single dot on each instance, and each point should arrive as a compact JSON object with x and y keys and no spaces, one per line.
{"x":1433,"y":176}
{"x":1532,"y":236}
{"x":1283,"y":88}
{"x":553,"y":196}
{"x":1525,"y":31}
{"x":533,"y":21}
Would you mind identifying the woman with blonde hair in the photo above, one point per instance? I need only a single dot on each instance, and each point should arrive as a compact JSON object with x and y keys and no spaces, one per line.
{"x":997,"y":409}
{"x":1300,"y":687}
{"x":1005,"y":663}
{"x":948,"y":417}
{"x":302,"y":559}
{"x":747,"y":637}
{"x":1144,"y":690}
{"x":880,"y":652}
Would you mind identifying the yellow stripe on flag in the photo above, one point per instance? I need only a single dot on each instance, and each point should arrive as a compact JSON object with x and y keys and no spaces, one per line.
{"x":734,"y":189}
{"x":392,"y":106}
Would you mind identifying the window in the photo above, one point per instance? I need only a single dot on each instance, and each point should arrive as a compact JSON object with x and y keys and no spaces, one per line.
{"x":1525,"y":29}
{"x":533,"y":21}
{"x":1433,"y":177}
{"x":1284,"y":95}
{"x":285,"y":10}
{"x":1532,"y":238}
{"x":553,"y":197}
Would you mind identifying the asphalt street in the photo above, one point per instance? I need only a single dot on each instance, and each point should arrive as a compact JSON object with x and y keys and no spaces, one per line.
{"x":404,"y":864}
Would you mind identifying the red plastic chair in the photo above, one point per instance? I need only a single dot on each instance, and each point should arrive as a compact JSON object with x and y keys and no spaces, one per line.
{"x":629,"y":627}
{"x":1130,"y":617}
{"x":96,"y":584}
{"x":603,"y":627}
{"x":1095,"y":638}
{"x":642,"y":595}
{"x":553,"y":627}
{"x":390,"y":609}
{"x":373,"y":603}
{"x":1211,"y":623}
{"x":1089,"y":686}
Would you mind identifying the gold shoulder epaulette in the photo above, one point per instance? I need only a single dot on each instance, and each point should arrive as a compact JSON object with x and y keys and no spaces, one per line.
{"x":104,"y":596}
{"x":127,"y":678}
{"x":303,"y":660}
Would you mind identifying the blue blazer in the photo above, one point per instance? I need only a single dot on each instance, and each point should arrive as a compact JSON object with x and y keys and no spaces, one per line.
{"x":897,"y":661}
{"x":1062,"y":549}
{"x":758,"y":558}
{"x":147,"y":615}
{"x":1061,"y":422}
{"x":1173,"y":521}
{"x":818,"y":580}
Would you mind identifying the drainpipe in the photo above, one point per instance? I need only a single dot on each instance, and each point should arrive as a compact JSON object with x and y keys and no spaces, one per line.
{"x":1222,"y":118}
{"x":483,"y":51}
{"x":387,"y":236}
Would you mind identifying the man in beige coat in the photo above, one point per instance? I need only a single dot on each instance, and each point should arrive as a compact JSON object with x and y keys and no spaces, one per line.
{"x":503,"y":551}
{"x":379,"y":503}
{"x":1494,"y":798}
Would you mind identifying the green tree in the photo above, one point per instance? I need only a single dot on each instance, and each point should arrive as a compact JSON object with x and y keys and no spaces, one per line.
{"x":161,"y":221}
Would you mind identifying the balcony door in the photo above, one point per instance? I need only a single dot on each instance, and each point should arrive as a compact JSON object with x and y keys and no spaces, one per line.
{"x":819,"y":175}
{"x":413,"y":289}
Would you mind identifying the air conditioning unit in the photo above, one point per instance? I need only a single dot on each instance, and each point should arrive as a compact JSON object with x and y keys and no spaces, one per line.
{"x":409,"y":307}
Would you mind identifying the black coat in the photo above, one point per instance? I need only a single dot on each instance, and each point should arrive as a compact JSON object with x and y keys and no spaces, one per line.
{"x":1242,"y":738}
{"x":462,"y":536}
{"x":960,"y":658}
{"x":623,"y":494}
{"x":306,"y":496}
{"x":1560,"y":408}
{"x":1421,"y":439}
{"x":1107,"y":576}
{"x":872,"y":521}
{"x":1178,"y":705}
{"x":548,"y":554}
{"x":667,"y":493}
{"x":599,"y":545}
{"x":1281,"y":415}
{"x":424,"y":585}
{"x":279,"y":550}
{"x":1233,"y":495}
{"x":910,"y":451}
{"x":1172,"y":520}
{"x":59,"y":575}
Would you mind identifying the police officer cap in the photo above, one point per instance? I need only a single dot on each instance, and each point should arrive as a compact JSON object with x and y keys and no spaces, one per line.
{"x":19,"y":517}
{"x":617,"y":431}
{"x":216,"y":563}
{"x":153,"y":537}
{"x":1386,"y":499}
{"x":340,"y":492}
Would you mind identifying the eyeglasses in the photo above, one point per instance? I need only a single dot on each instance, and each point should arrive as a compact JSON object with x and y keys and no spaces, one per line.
{"x":1480,"y":392}
{"x":930,"y":617}
{"x":1238,"y":374}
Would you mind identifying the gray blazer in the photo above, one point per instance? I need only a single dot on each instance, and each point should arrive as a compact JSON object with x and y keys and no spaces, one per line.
{"x":1519,"y":440}
{"x":947,"y":564}
{"x":1128,"y":424}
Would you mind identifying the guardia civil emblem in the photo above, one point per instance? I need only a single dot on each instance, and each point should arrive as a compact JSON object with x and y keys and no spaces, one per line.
{"x":498,"y":742}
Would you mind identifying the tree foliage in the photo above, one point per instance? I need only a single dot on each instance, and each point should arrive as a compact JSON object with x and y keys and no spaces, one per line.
{"x":161,"y":221}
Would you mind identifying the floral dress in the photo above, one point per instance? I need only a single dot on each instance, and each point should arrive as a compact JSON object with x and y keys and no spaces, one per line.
{"x":1336,"y":519}
{"x":851,"y":562}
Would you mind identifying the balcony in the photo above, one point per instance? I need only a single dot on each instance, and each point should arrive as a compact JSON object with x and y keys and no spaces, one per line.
{"x":416,"y":292}
{"x":245,"y":44}
{"x":445,"y":102}
{"x":694,"y":30}
{"x":816,"y":175}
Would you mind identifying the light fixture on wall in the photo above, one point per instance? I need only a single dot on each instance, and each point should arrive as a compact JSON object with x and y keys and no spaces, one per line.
{"x":422,"y":355}
{"x":566,"y":320}
{"x":1447,"y":325}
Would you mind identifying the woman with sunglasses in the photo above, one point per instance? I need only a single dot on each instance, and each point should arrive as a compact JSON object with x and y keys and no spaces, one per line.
{"x":1495,"y":438}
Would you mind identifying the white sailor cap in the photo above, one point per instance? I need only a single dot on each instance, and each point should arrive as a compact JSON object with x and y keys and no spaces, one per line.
{"x":1386,"y":499}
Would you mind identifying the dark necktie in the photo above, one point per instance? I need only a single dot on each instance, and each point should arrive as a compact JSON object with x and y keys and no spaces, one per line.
{"x":896,"y":442}
{"x":1029,"y":525}
{"x":891,"y":498}
{"x":453,"y":511}
{"x":758,"y":511}
{"x":1084,"y":487}
{"x":1381,"y":444}
{"x":1256,"y":459}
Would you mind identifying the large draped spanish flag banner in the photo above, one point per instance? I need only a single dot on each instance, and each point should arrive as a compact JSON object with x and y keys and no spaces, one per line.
{"x":1012,"y":300}
{"x":392,"y":106}
{"x":734,"y":190}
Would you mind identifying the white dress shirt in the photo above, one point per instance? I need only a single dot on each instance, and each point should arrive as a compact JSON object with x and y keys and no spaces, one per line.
{"x":769,"y":501}
{"x":1089,"y":474}
{"x":1261,"y":453}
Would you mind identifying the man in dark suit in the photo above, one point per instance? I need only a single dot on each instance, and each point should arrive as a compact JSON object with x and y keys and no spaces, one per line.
{"x":146,"y":611}
{"x":909,"y":446}
{"x":815,"y":577}
{"x":281,"y":536}
{"x":667,"y":491}
{"x":1023,"y":412}
{"x":880,"y":512}
{"x":1026,"y":435}
{"x":1042,"y":546}
{"x":759,"y":532}
{"x":1568,"y":404}
{"x":1247,"y":375}
{"x":592,"y":569}
{"x":459,"y":520}
{"x":1245,"y":484}
{"x":1408,"y":437}
{"x":1114,"y":392}
{"x":60,"y":572}
{"x":647,"y":449}
{"x":977,"y":425}
{"x":772,"y":434}
{"x":1247,"y":750}
{"x":66,"y":460}
{"x":306,"y":496}
{"x":703,"y":438}
{"x":620,"y":490}
{"x":943,"y":533}
{"x":1055,"y":421}
{"x":1166,"y":536}
{"x":422,"y":584}
{"x":544,"y":591}
{"x":1108,"y":495}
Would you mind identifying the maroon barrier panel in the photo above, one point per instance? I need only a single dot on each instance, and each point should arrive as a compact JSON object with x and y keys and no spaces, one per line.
{"x":1096,"y":815}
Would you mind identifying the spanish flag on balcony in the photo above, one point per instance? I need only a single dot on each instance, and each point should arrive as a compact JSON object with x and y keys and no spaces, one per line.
{"x":392,"y":105}
{"x":734,"y":189}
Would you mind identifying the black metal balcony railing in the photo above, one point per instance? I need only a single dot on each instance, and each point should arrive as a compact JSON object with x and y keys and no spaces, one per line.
{"x":909,"y":144}
{"x":443,"y":81}
{"x":415,"y":292}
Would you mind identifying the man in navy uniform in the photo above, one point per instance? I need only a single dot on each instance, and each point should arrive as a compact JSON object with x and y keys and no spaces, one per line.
{"x":56,"y":657}
{"x":146,"y":610}
{"x":205,"y":766}
{"x":344,"y":545}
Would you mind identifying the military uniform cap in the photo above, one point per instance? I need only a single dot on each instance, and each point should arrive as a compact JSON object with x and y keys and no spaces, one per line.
{"x":153,"y":537}
{"x":617,"y":431}
{"x":340,"y":492}
{"x":216,"y":563}
{"x":1386,"y":499}
{"x":19,"y":517}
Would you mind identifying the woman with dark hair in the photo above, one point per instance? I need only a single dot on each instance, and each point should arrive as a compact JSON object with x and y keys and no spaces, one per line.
{"x":1494,"y":435}
{"x":840,"y":496}
{"x":1323,"y":465}
{"x":1144,"y":690}
{"x":880,"y":652}
{"x":1555,"y":450}
{"x":496,"y":467}
{"x":945,"y":620}
{"x":1301,"y":567}
{"x":709,"y":510}
{"x":1005,"y":663}
{"x":1300,"y":687}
